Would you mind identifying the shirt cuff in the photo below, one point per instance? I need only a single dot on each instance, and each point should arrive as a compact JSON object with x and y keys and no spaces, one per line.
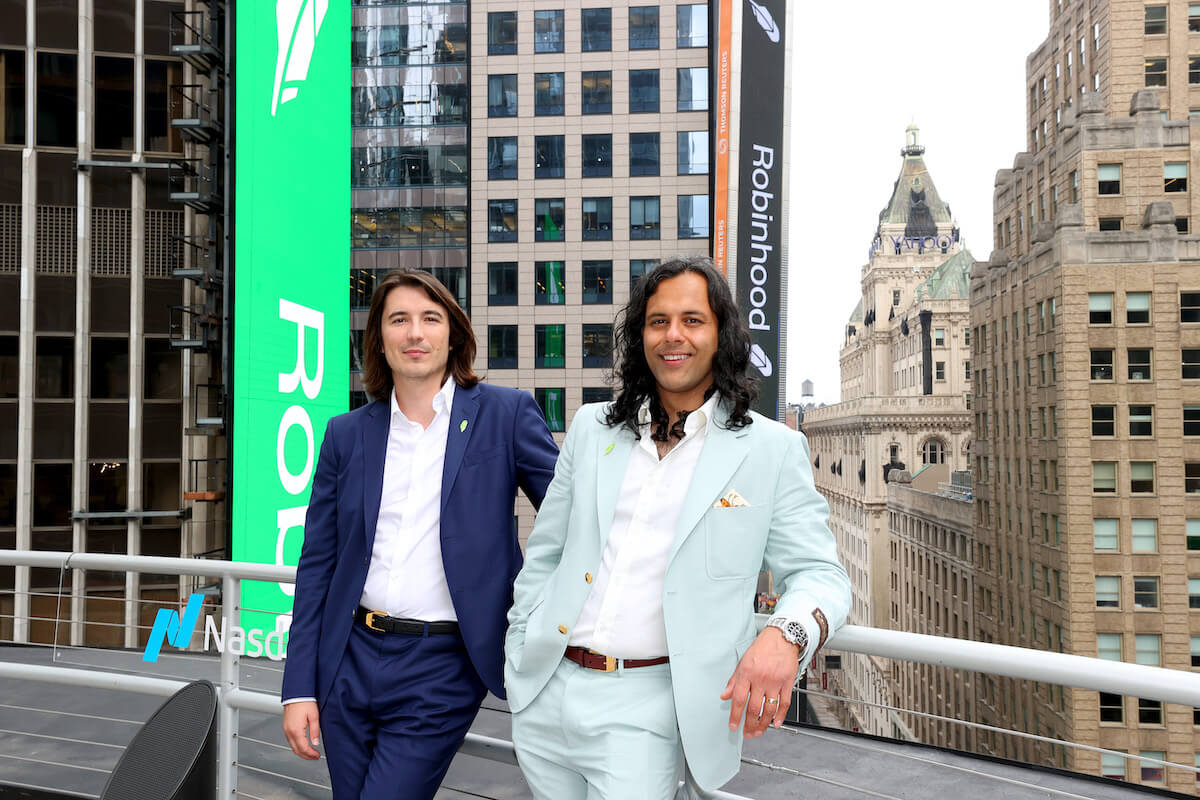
{"x":291,"y":700}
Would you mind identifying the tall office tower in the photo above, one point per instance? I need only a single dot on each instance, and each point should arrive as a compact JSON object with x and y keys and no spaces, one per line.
{"x":905,"y":378}
{"x":1086,"y":397}
{"x":111,"y":170}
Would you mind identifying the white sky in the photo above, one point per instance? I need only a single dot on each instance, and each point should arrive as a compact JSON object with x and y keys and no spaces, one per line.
{"x":863,"y":72}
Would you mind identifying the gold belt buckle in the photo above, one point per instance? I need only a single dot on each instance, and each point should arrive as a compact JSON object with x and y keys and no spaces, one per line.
{"x":371,"y":615}
{"x":610,"y":663}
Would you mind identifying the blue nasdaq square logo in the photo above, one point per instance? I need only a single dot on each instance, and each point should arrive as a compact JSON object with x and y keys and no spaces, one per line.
{"x":168,"y":626}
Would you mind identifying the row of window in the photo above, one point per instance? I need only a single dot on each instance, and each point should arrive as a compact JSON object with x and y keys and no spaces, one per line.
{"x":645,"y":218}
{"x":550,"y":282}
{"x":550,"y":161}
{"x":1145,"y":593}
{"x":1047,"y":318}
{"x":1141,"y":477}
{"x":550,"y":346}
{"x":1175,"y":177}
{"x":1141,"y":420}
{"x":596,"y":92}
{"x":595,"y":28}
{"x":1156,"y":19}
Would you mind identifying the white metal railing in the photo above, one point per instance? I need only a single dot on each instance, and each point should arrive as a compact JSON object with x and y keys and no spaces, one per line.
{"x":1151,"y":683}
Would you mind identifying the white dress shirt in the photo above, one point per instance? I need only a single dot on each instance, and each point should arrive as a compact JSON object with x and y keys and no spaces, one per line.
{"x":406,"y":577}
{"x":623,"y":614}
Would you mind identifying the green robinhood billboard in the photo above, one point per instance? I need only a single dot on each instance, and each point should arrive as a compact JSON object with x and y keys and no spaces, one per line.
{"x":291,"y":266}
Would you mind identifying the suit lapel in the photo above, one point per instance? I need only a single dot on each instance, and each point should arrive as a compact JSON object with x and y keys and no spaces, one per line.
{"x":724,"y":451}
{"x":374,"y":449}
{"x":464,"y":410}
{"x":613,"y":451}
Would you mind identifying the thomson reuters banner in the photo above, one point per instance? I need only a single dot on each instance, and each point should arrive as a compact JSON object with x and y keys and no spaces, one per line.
{"x":760,"y":192}
{"x":291,"y":267}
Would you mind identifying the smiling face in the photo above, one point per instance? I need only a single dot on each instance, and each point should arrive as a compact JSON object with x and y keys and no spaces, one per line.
{"x":679,"y":340}
{"x":416,"y":336}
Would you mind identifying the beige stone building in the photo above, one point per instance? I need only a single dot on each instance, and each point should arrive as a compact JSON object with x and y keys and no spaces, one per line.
{"x":1086,"y":344}
{"x":905,"y":377}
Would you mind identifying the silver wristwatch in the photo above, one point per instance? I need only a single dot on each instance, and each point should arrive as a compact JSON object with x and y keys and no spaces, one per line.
{"x":792,"y":630}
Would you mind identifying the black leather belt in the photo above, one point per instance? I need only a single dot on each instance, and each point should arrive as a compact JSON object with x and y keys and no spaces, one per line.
{"x":378,"y":621}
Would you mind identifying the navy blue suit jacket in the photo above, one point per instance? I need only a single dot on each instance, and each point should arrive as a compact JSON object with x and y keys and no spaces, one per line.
{"x":505,"y":445}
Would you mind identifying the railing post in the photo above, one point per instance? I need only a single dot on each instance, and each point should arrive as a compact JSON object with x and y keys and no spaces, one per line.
{"x":227,"y":715}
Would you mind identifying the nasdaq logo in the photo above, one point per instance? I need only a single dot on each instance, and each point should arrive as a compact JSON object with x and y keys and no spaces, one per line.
{"x":168,"y":626}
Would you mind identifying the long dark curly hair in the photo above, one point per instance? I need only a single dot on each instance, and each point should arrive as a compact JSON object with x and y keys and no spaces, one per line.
{"x":635,"y":382}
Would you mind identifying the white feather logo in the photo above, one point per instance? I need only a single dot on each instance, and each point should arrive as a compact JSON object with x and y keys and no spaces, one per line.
{"x":765,"y":20}
{"x":297,"y":23}
{"x":760,"y":361}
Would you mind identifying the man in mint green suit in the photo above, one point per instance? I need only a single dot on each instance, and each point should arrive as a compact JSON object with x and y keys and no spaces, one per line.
{"x":631,"y":656}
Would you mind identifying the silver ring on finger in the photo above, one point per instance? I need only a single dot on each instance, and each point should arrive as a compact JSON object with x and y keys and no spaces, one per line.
{"x":773,"y":701}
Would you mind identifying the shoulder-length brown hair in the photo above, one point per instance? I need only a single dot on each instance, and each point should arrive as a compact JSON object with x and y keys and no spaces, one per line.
{"x":377,"y":375}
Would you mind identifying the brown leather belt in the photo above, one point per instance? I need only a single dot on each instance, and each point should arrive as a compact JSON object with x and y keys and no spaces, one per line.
{"x":378,"y":621}
{"x":598,"y":661}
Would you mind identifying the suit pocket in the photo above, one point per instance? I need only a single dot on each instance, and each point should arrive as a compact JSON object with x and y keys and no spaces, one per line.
{"x":734,"y":539}
{"x":471,"y":459}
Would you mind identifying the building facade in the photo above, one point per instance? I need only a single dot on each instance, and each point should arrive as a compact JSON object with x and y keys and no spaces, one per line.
{"x":905,"y":374}
{"x":1085,"y":391}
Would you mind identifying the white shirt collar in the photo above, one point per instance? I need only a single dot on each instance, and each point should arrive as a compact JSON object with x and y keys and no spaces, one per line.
{"x":443,"y":401}
{"x":700,"y":418}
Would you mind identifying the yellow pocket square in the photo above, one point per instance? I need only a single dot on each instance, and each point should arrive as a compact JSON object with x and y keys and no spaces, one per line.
{"x":731,"y":500}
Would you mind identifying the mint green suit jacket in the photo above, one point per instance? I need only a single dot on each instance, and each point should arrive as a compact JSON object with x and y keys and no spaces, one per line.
{"x":711,"y":578}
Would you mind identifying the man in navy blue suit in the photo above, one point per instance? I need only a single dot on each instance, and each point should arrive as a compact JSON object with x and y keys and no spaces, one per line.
{"x":410,"y":551}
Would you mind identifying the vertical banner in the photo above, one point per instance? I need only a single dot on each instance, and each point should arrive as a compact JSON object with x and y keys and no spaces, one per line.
{"x":721,"y":139}
{"x":291,"y":266}
{"x":760,"y":186}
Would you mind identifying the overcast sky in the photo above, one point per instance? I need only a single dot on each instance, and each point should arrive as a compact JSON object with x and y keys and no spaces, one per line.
{"x":863,"y":72}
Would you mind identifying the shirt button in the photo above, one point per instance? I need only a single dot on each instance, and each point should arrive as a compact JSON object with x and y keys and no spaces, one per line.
{"x":587,"y":577}
{"x":562,"y":629}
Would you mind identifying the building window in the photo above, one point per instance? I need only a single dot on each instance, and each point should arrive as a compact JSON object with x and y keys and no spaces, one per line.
{"x":1075,"y":185}
{"x":1191,"y":420}
{"x":502,"y":95}
{"x":502,"y":158}
{"x":693,"y":216}
{"x":1192,"y":533}
{"x":1156,"y":72}
{"x":1191,"y":364}
{"x":1104,"y":477}
{"x":548,"y":31}
{"x":643,"y":91}
{"x":639,"y":267}
{"x":502,"y":220}
{"x":549,"y":283}
{"x":939,"y":370}
{"x":597,"y":394}
{"x":549,"y":342}
{"x":1137,"y":308}
{"x":1102,"y":365}
{"x":502,"y":33}
{"x":1145,"y":535}
{"x":1145,"y":595}
{"x":1100,"y":306}
{"x":597,"y":283}
{"x":1141,"y":477}
{"x":643,"y":154}
{"x":1109,"y":179}
{"x":1108,"y":591}
{"x":1182,"y":225}
{"x":1156,"y":20}
{"x":644,"y":218}
{"x":1104,"y":534}
{"x":597,"y":29}
{"x":1112,"y":765}
{"x":1108,"y":646}
{"x":1110,"y":224}
{"x":1139,"y":364}
{"x":692,"y":152}
{"x":502,"y":283}
{"x":1191,"y":477}
{"x":549,"y":156}
{"x":939,"y":335}
{"x":548,"y":94}
{"x":1149,"y":713}
{"x":1189,"y":306}
{"x":1193,"y":593}
{"x":643,"y":28}
{"x":692,"y":89}
{"x":502,"y":346}
{"x":597,"y":346}
{"x":1104,"y":420}
{"x":1152,"y":773}
{"x":1141,"y":420}
{"x":933,"y":452}
{"x":553,"y":403}
{"x":597,"y":155}
{"x":549,"y":219}
{"x":691,"y":26}
{"x":597,"y":219}
{"x":597,"y":92}
{"x":1193,"y":17}
{"x":896,"y":302}
{"x":1175,"y":177}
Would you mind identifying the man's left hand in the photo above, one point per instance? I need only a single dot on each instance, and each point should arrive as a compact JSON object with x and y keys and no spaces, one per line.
{"x":761,"y":686}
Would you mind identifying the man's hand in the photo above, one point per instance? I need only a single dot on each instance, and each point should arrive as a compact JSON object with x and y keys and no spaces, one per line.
{"x":761,"y":686}
{"x":299,"y":725}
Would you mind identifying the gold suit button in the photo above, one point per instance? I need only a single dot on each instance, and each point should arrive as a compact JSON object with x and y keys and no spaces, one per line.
{"x":587,"y":577}
{"x":562,"y":629}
